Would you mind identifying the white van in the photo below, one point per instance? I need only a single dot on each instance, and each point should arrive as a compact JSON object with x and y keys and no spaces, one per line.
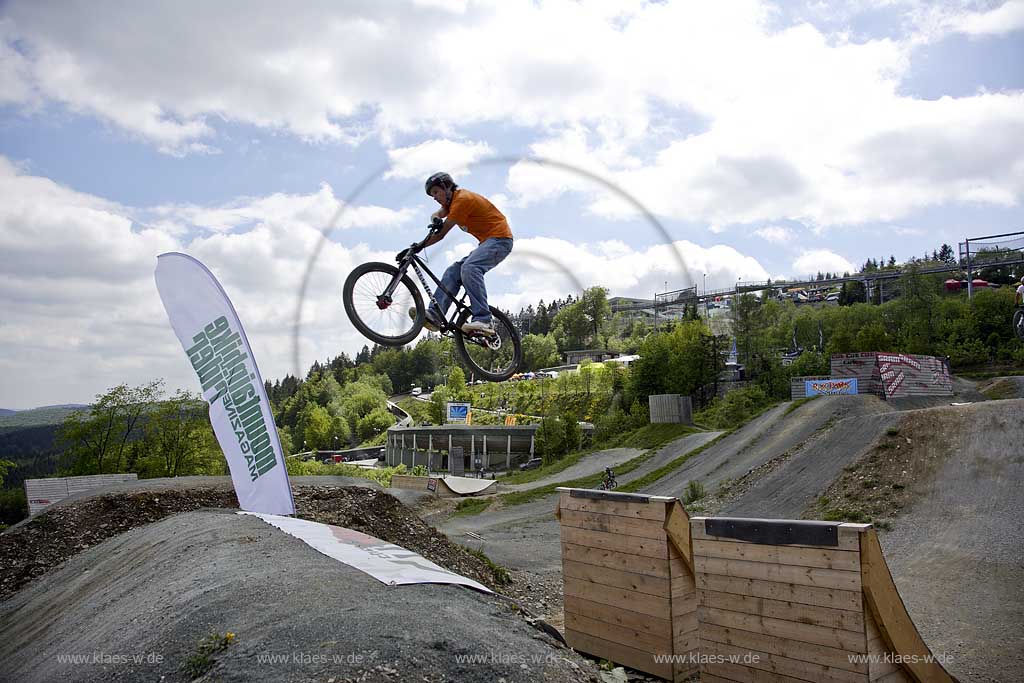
{"x":416,"y":391}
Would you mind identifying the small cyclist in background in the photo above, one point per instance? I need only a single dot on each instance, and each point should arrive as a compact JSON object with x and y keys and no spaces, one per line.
{"x":474,"y":214}
{"x":1018,"y":299}
{"x":609,"y":479}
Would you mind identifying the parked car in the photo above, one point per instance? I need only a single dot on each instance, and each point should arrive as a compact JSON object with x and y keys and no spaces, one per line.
{"x":531,"y":464}
{"x":416,"y":391}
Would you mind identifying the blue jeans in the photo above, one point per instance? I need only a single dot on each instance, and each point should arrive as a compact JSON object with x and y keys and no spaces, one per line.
{"x":469,"y":273}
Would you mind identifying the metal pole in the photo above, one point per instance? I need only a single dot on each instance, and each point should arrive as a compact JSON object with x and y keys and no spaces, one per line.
{"x":487,"y":463}
{"x":430,"y":451}
{"x":970,"y":278}
{"x":508,"y":453}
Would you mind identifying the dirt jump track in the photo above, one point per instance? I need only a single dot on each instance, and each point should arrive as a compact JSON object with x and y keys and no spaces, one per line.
{"x":955,"y":551}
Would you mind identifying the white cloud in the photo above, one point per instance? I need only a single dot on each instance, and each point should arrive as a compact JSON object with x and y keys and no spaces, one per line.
{"x":419,"y":161}
{"x":778,"y":122}
{"x":81,"y":311}
{"x":1006,"y":18}
{"x":775,"y":233}
{"x":809,"y":263}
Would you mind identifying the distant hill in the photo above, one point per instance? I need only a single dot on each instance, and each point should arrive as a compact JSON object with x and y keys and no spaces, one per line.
{"x":5,"y":411}
{"x":36,"y":417}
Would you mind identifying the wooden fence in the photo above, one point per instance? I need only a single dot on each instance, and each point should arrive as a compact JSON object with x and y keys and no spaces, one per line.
{"x":733,"y":600}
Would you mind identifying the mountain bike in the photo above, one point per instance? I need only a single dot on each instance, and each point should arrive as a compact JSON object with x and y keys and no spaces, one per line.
{"x":1018,"y":322}
{"x":383,"y":303}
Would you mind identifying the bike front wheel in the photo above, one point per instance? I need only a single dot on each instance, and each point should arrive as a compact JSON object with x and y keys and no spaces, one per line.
{"x":382,"y":317}
{"x":492,"y":357}
{"x":1018,"y":324}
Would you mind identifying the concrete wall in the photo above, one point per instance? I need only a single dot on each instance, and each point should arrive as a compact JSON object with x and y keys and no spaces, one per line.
{"x":671,"y":408}
{"x":42,"y":493}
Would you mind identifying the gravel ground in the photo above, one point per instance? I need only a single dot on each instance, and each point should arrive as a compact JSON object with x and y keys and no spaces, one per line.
{"x":763,"y":439}
{"x":785,"y":486}
{"x":957,"y":553}
{"x":155,"y":592}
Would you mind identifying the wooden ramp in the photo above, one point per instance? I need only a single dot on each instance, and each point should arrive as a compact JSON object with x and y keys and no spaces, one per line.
{"x":733,"y":600}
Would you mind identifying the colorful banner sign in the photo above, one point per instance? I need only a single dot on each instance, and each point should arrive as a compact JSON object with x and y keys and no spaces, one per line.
{"x":458,"y":413}
{"x":830,"y":387}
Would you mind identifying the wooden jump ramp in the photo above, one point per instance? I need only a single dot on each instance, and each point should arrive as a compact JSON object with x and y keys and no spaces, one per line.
{"x":730,"y":599}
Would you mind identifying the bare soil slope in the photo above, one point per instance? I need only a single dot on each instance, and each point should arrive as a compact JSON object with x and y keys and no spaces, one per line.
{"x":773,"y":434}
{"x":957,"y":551}
{"x":949,"y":482}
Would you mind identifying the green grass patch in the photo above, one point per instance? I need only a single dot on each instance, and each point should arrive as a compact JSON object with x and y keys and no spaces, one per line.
{"x":657,"y":474}
{"x":472,"y":506}
{"x":796,"y":403}
{"x":694,"y":492}
{"x":1000,"y":390}
{"x":203,"y":660}
{"x":501,"y":575}
{"x":419,"y":410}
{"x":648,"y":436}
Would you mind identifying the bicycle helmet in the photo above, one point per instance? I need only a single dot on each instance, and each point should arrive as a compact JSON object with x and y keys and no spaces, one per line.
{"x":442,"y":179}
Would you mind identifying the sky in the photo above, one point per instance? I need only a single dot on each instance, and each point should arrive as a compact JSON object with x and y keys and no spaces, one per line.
{"x":689,"y":143}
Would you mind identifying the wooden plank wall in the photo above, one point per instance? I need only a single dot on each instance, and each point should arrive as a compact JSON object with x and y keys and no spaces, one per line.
{"x":629,"y":594}
{"x":780,"y":613}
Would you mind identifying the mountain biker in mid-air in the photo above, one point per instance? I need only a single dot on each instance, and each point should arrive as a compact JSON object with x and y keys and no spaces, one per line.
{"x":476,"y":215}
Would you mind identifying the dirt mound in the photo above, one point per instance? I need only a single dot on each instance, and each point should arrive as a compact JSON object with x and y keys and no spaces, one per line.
{"x":999,"y":388}
{"x":890,"y":474}
{"x":32,"y":549}
{"x":228,"y":597}
{"x":772,"y":435}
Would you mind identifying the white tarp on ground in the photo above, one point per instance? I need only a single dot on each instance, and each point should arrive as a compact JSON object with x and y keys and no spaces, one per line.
{"x":386,"y":562}
{"x":468,"y":486}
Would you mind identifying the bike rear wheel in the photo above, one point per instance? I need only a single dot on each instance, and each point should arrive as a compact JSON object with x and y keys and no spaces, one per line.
{"x":496,"y":357}
{"x":383,"y":319}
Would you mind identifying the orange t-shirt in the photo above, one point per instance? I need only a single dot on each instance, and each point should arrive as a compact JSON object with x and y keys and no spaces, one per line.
{"x":477,"y":216}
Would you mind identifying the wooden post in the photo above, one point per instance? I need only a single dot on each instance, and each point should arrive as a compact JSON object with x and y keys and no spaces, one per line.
{"x":403,"y":449}
{"x":487,"y":462}
{"x":508,"y":453}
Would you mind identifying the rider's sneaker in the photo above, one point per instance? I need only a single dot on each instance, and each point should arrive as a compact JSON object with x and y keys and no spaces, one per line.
{"x":430,"y":320}
{"x":479,"y":327}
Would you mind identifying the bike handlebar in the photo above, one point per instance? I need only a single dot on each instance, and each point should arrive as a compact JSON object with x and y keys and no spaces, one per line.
{"x":432,"y":229}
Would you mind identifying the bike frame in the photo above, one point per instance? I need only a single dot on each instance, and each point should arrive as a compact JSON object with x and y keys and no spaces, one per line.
{"x":419,"y":266}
